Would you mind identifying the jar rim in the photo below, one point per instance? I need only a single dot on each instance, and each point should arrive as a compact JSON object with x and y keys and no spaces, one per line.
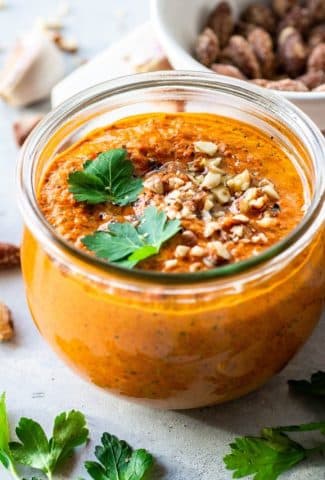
{"x":269,"y":258}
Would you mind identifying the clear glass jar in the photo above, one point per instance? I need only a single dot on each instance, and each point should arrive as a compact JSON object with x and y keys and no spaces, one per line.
{"x":176,"y":340}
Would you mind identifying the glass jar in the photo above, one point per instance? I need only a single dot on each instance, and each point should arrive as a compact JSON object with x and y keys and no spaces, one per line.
{"x":176,"y":340}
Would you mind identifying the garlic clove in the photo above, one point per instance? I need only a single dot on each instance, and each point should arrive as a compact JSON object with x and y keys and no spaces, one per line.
{"x":33,"y":67}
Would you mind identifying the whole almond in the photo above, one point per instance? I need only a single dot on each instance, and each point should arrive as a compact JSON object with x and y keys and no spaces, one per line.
{"x":262,"y":45}
{"x":207,"y":47}
{"x":240,"y":53}
{"x":222,"y":23}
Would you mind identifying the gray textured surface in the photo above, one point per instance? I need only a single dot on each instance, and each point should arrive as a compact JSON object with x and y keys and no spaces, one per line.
{"x":188,"y":445}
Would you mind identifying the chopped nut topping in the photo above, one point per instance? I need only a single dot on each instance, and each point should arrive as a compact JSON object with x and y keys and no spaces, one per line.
{"x":154,"y":184}
{"x":170,"y":264}
{"x":189,"y":238}
{"x":206,"y":147}
{"x":271,"y":192}
{"x":211,"y":180}
{"x":222,"y":194}
{"x":198,"y":251}
{"x":195,"y":267}
{"x":175,"y":182}
{"x":240,"y":218}
{"x":266,"y":222}
{"x":218,"y":248}
{"x":240,"y":182}
{"x":181,"y":251}
{"x":259,"y":203}
{"x":238,"y":230}
{"x":208,"y":204}
{"x":211,"y":228}
{"x":213,"y":165}
{"x":259,"y":238}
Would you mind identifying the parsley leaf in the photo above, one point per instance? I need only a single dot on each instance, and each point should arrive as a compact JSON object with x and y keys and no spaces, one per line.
{"x":118,"y":461}
{"x":36,"y":451}
{"x":126,"y":245}
{"x":273,"y":453}
{"x":108,"y":178}
{"x":316,"y":386}
{"x":5,"y":454}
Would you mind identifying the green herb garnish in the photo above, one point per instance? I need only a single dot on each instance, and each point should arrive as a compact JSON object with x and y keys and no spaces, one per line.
{"x":273,"y":453}
{"x":126,"y":245}
{"x":108,"y":178}
{"x":118,"y":461}
{"x":5,"y":454}
{"x":36,"y":451}
{"x":316,"y":386}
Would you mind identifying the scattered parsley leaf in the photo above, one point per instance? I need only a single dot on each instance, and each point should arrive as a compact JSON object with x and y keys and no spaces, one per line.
{"x":316,"y":386}
{"x":273,"y":453}
{"x":108,"y":178}
{"x":118,"y":461}
{"x":126,"y":245}
{"x":6,"y":458}
{"x":36,"y":451}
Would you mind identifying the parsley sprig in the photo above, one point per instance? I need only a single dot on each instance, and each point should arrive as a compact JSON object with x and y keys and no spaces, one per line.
{"x":272,"y":453}
{"x":117,"y":461}
{"x":35,"y":450}
{"x":126,"y":245}
{"x":107,"y":178}
{"x":6,"y":457}
{"x":315,"y":387}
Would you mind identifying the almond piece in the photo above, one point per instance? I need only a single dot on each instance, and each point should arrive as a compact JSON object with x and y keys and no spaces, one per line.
{"x":240,"y":182}
{"x":209,"y":148}
{"x":181,"y":251}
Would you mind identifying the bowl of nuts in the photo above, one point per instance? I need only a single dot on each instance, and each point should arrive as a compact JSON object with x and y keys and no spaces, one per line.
{"x":275,"y":44}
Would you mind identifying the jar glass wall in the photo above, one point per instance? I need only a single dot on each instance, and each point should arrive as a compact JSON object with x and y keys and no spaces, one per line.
{"x":176,"y":340}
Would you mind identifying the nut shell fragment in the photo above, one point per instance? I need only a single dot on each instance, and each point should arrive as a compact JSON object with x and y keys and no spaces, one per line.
{"x":6,"y":324}
{"x":33,"y":67}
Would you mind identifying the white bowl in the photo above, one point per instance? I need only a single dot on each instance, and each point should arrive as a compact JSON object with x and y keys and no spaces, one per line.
{"x":178,"y":22}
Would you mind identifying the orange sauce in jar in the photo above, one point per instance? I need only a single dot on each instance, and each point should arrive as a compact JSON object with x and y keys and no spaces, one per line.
{"x":180,"y":345}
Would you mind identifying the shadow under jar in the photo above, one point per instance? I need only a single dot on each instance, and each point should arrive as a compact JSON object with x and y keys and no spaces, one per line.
{"x":175,"y":340}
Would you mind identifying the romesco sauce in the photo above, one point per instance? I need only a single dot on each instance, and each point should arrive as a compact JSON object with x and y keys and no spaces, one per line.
{"x":181,"y":345}
{"x":233,"y":188}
